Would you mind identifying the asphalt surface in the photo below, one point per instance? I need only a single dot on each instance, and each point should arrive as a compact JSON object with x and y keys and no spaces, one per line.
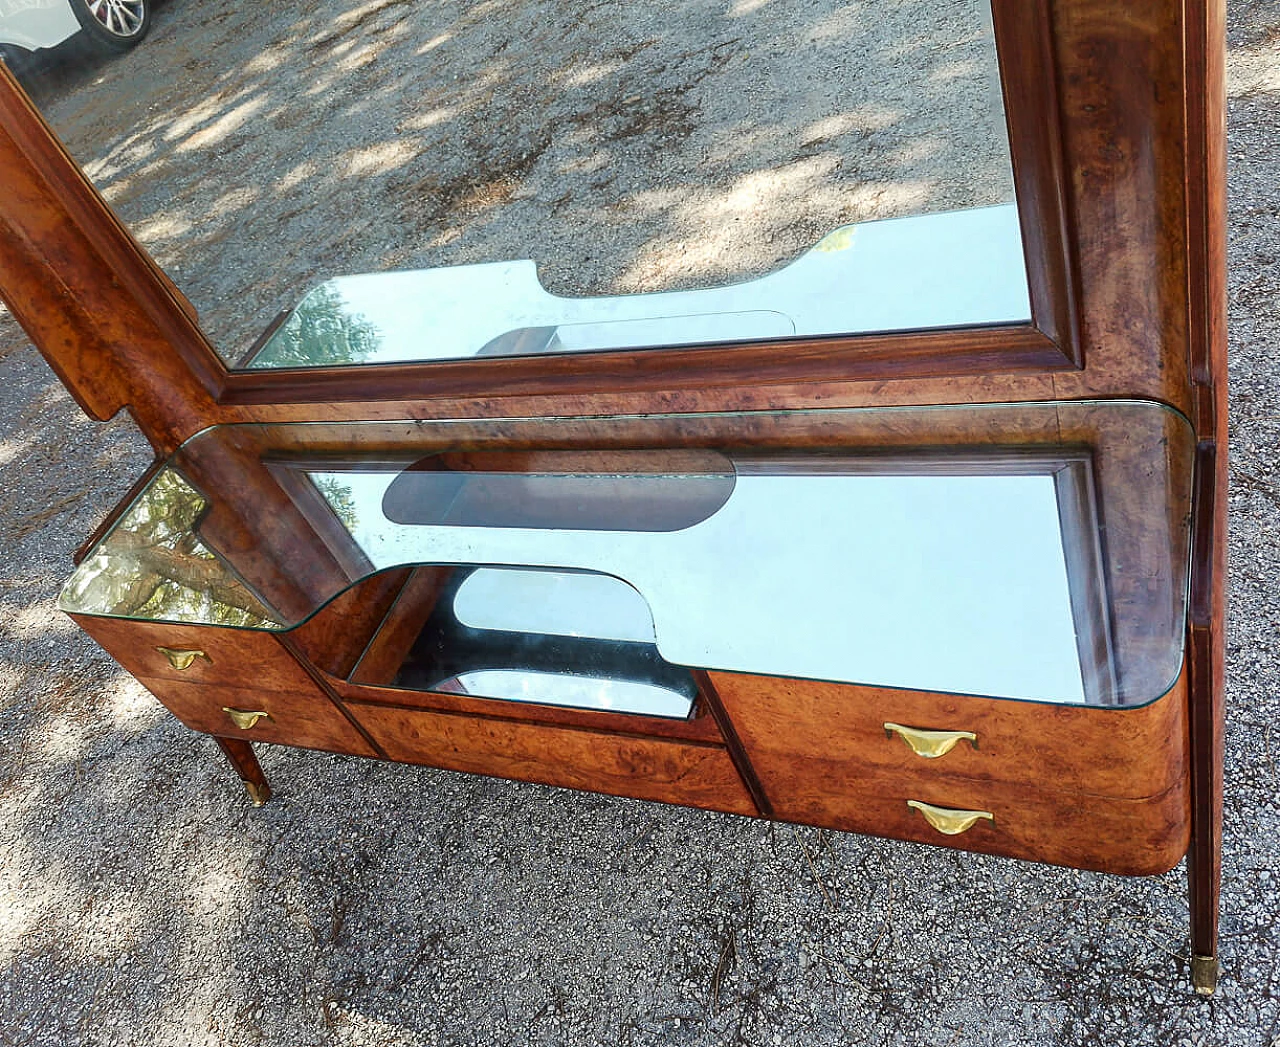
{"x":258,"y":148}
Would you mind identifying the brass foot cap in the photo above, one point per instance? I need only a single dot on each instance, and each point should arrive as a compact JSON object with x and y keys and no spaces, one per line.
{"x":1204,"y":974}
{"x":260,"y":794}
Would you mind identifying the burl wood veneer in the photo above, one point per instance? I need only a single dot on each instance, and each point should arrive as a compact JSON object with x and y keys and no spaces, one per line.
{"x":1116,"y":127}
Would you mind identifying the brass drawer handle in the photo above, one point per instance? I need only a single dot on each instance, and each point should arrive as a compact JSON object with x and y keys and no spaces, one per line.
{"x":245,"y":719}
{"x":181,"y":660}
{"x":930,"y":744}
{"x":947,"y":821}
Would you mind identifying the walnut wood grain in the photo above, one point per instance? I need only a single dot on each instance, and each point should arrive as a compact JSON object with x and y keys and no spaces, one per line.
{"x":621,"y":765}
{"x":111,"y":324}
{"x":1129,"y":837}
{"x":336,"y":636}
{"x":404,"y":620}
{"x":305,"y":719}
{"x":243,"y":658}
{"x":258,"y":526}
{"x":700,"y":726}
{"x":809,"y":736}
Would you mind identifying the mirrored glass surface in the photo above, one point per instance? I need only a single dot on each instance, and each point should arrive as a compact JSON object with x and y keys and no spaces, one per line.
{"x":622,"y":152}
{"x":1020,"y":551}
{"x":563,"y":638}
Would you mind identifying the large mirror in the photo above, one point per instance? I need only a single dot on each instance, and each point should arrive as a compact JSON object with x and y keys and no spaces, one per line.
{"x":558,"y":179}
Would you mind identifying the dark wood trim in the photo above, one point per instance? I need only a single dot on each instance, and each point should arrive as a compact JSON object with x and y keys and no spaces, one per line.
{"x":1029,"y":77}
{"x":299,"y":656}
{"x":737,"y":751}
{"x":1207,"y":710}
{"x":240,"y":755}
{"x":1204,"y":49}
{"x":262,"y":339}
{"x":907,"y":354}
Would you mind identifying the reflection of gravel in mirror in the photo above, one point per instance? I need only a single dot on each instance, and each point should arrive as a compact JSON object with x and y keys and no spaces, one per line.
{"x":261,"y":148}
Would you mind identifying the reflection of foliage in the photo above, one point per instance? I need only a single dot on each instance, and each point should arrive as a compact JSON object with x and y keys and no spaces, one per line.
{"x":153,"y":565}
{"x":340,"y":498}
{"x":321,"y":331}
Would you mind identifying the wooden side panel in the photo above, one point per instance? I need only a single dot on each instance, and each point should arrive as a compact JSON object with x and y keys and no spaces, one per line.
{"x":305,"y":719}
{"x":336,"y":637}
{"x":400,"y":628}
{"x":111,"y":324}
{"x":806,"y":738}
{"x":621,"y":765}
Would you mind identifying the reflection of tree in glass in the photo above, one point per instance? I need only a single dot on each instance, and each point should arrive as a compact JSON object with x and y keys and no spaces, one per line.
{"x":154,"y":565}
{"x":340,"y":498}
{"x":322,"y":330}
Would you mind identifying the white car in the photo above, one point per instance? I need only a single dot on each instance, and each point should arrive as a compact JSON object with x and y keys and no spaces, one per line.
{"x":111,"y":25}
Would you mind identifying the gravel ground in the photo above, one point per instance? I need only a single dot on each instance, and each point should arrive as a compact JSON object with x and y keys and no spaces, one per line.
{"x":255,"y":148}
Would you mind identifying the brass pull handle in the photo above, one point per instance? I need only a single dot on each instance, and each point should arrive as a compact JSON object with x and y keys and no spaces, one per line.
{"x":947,"y":821}
{"x":181,"y":660}
{"x":245,"y":719}
{"x":930,"y":744}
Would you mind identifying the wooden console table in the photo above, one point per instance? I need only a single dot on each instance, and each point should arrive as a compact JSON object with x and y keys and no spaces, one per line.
{"x":883,"y":620}
{"x":948,"y":572}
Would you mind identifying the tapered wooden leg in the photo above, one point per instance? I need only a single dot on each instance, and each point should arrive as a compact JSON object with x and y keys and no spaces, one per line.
{"x":1204,"y":859}
{"x":246,"y":764}
{"x":1206,"y":694}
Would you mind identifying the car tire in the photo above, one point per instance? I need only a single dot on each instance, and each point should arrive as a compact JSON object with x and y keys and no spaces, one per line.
{"x":113,"y":25}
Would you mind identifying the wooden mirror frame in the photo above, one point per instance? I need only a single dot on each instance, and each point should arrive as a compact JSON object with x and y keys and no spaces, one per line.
{"x":1107,"y":111}
{"x":1116,"y":114}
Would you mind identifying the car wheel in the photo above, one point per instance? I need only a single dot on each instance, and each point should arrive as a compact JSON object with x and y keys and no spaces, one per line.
{"x":113,"y":25}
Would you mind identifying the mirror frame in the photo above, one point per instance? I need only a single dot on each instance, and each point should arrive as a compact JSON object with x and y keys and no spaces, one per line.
{"x":1093,"y":104}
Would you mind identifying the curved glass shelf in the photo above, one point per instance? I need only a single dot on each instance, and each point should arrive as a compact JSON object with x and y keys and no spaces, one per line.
{"x":1033,"y":551}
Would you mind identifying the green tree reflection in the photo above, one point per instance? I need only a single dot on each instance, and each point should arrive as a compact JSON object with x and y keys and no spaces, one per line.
{"x":322,"y":331}
{"x":153,"y":565}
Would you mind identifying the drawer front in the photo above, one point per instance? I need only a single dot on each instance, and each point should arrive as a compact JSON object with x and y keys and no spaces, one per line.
{"x":304,"y":718}
{"x":619,"y":764}
{"x":790,"y":728}
{"x":198,"y":654}
{"x":1129,"y":837}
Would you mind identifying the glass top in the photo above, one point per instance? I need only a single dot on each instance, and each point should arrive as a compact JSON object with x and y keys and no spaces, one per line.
{"x":1034,"y":551}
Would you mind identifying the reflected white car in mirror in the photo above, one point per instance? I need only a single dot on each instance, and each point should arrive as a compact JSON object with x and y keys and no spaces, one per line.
{"x":110,"y":25}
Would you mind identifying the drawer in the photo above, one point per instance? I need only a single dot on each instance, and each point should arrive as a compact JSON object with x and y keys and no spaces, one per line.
{"x":795,"y":730}
{"x":304,"y":718}
{"x":1129,"y":837}
{"x":698,"y":775}
{"x":227,"y":657}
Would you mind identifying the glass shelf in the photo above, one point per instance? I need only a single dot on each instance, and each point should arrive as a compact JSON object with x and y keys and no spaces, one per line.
{"x":1033,"y":551}
{"x":950,"y":269}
